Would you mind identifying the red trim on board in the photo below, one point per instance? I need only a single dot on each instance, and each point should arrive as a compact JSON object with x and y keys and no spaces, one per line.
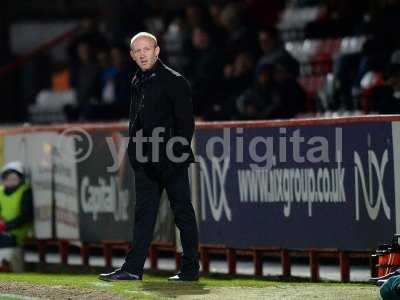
{"x":112,"y":126}
{"x":299,"y":122}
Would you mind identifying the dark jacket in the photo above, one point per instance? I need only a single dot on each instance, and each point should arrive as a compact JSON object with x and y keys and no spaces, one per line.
{"x":161,"y":97}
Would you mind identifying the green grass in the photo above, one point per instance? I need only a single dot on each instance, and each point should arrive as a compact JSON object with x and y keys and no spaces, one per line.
{"x":156,"y":287}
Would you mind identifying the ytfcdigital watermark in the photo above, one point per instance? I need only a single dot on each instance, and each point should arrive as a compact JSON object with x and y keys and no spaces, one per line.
{"x":259,"y":151}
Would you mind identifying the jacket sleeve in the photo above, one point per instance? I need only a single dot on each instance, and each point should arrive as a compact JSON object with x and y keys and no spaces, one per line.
{"x":180,"y":94}
{"x":26,"y":215}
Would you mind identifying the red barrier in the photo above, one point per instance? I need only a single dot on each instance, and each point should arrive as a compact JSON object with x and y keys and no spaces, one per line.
{"x":112,"y":126}
{"x":299,"y":122}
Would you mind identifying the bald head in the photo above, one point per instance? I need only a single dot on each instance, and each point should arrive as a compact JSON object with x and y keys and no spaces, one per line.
{"x":144,"y":35}
{"x":144,"y":50}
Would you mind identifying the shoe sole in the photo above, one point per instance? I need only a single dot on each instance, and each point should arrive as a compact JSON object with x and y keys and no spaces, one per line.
{"x":115,"y":280}
{"x":103,"y":279}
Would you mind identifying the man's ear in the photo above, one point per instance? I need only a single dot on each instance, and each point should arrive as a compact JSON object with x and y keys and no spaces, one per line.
{"x":157,"y":51}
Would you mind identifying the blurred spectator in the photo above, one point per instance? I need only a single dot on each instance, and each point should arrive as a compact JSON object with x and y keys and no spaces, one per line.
{"x":116,"y":79}
{"x":16,"y":206}
{"x":262,"y":100}
{"x":237,"y":77}
{"x":343,"y":83}
{"x":292,"y":95}
{"x":239,"y":35}
{"x":273,"y":50}
{"x":204,"y":70}
{"x":86,"y":75}
{"x":196,"y":15}
{"x":349,"y":71}
{"x":218,"y":31}
{"x":382,"y":91}
{"x":61,"y":78}
{"x":85,"y":78}
{"x":49,"y":103}
{"x":88,"y":34}
{"x":103,"y":58}
{"x":107,"y":75}
{"x":374,"y":57}
{"x":215,"y":10}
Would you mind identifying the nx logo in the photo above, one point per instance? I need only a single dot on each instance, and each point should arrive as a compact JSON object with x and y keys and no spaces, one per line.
{"x":214,"y":183}
{"x":373,"y":202}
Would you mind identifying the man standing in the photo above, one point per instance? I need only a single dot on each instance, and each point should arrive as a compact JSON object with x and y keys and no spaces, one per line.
{"x":160,"y":131}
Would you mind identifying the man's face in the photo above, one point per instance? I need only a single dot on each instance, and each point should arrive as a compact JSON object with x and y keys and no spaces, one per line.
{"x":144,"y":52}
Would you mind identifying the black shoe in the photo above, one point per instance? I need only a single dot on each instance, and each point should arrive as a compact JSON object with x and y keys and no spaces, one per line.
{"x":181,"y":277}
{"x":118,"y":274}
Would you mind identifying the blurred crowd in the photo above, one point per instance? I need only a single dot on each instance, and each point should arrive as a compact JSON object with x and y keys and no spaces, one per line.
{"x":236,"y":63}
{"x":234,"y":56}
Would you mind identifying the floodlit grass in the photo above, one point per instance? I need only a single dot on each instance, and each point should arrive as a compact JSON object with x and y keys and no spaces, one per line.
{"x":156,"y":287}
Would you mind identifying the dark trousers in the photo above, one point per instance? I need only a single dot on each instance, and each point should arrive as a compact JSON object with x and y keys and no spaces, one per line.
{"x":7,"y":240}
{"x":148,"y":194}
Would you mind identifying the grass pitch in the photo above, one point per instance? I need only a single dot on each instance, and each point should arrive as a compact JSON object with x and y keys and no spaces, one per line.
{"x":59,"y":286}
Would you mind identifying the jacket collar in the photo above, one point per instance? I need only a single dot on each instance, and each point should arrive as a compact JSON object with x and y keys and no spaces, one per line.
{"x":146,"y":75}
